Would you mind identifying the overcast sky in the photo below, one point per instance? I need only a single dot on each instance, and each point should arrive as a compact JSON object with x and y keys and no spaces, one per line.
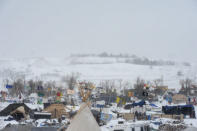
{"x":54,"y":28}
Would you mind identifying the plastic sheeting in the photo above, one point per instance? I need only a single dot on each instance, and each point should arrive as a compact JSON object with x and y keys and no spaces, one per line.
{"x":129,"y":106}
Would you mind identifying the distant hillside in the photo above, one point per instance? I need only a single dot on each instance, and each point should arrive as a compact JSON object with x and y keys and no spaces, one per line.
{"x":105,"y":58}
{"x":94,"y":68}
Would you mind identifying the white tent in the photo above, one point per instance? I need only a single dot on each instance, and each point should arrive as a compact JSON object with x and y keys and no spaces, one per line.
{"x":84,"y":121}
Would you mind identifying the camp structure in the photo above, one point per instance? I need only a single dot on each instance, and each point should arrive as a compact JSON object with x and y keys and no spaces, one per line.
{"x":178,"y":110}
{"x":84,"y":120}
{"x":42,"y":115}
{"x":129,"y":106}
{"x":179,"y":98}
{"x":19,"y":113}
{"x":56,"y":110}
{"x":17,"y":110}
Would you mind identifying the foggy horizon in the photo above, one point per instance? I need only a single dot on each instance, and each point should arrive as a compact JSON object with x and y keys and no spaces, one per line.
{"x":154,"y":29}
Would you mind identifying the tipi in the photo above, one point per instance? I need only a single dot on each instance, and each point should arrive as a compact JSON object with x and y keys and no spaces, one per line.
{"x":84,"y":120}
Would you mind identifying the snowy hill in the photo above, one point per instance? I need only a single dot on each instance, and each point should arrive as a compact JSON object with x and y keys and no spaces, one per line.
{"x":92,"y":68}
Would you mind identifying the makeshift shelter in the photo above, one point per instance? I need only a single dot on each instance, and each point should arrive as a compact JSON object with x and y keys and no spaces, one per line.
{"x":19,"y":113}
{"x":84,"y":121}
{"x":179,"y":98}
{"x":129,"y":106}
{"x":42,"y":115}
{"x":178,"y":110}
{"x":128,"y":116}
{"x":12,"y":107}
{"x":56,"y":110}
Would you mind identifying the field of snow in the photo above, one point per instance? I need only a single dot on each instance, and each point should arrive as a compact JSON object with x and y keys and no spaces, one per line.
{"x":91,"y":69}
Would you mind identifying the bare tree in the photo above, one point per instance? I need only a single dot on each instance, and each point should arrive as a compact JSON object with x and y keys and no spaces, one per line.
{"x":32,"y":86}
{"x":139,"y":87}
{"x":71,"y":80}
{"x":108,"y":85}
{"x":158,"y":82}
{"x":186,"y":85}
{"x":50,"y":85}
{"x":18,"y":88}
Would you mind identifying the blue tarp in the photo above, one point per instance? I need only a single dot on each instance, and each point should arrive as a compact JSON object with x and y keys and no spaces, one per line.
{"x":180,"y":109}
{"x":141,"y":103}
{"x":129,"y":106}
{"x":153,"y":105}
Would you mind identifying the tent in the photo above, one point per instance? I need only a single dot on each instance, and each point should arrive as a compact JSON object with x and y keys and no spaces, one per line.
{"x":57,"y":110}
{"x":129,"y":106}
{"x":84,"y":120}
{"x":179,"y":98}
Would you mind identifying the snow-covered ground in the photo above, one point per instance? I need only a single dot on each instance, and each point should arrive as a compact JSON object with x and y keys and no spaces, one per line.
{"x":192,"y":122}
{"x":91,"y":68}
{"x":4,"y":123}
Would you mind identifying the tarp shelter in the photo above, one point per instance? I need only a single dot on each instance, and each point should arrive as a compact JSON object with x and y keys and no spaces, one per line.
{"x":84,"y":120}
{"x":12,"y":107}
{"x":129,"y":106}
{"x":178,"y":110}
{"x":19,"y":113}
{"x":153,"y":105}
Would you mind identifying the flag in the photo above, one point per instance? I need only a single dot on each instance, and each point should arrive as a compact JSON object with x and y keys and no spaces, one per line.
{"x":58,"y":94}
{"x":117,"y":99}
{"x":123,"y":101}
{"x":8,"y":86}
{"x":130,"y":94}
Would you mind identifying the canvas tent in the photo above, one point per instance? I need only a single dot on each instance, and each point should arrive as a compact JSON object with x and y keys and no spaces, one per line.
{"x":56,"y":110}
{"x":84,"y":121}
{"x":179,"y":98}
